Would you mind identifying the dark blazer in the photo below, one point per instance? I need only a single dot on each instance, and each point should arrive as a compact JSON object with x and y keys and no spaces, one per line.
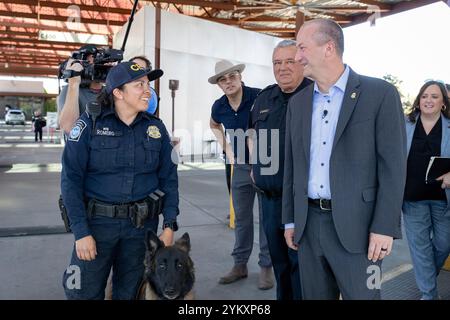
{"x":367,"y":163}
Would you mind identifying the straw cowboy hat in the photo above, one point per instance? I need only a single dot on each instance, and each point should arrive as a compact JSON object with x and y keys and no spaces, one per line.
{"x":223,"y":67}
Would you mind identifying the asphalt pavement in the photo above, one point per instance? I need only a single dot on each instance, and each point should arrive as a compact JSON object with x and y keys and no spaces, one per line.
{"x":35,"y":250}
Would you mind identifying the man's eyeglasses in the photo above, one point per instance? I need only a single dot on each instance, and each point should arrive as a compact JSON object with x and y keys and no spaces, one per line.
{"x":230,"y":76}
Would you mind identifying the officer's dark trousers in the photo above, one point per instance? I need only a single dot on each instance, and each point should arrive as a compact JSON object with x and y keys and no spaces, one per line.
{"x":120,"y":245}
{"x":228,"y":175}
{"x":284,"y":259}
{"x":36,"y":133}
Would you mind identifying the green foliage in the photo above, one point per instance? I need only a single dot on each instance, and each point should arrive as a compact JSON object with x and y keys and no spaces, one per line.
{"x":49,"y":105}
{"x":396,"y":82}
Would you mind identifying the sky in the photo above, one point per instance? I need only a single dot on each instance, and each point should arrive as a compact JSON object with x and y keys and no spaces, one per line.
{"x":413,"y":45}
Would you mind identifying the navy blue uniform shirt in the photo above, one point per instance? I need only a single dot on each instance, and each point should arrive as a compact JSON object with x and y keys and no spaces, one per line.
{"x":222,"y":112}
{"x":269,"y":112}
{"x":116,"y":164}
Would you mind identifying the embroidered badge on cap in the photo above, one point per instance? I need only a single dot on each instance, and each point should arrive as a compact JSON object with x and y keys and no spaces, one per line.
{"x":153,"y":132}
{"x":77,"y":130}
{"x":136,"y":67}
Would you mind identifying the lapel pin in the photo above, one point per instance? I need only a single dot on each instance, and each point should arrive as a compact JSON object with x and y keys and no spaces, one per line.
{"x":353,"y":96}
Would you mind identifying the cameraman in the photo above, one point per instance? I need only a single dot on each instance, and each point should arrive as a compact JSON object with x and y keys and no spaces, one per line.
{"x":73,"y":98}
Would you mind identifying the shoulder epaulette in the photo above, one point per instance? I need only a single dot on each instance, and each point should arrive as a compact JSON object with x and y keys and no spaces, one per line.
{"x":151,"y":116}
{"x":267,"y":88}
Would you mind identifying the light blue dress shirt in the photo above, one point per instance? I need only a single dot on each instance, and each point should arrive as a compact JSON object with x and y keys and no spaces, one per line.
{"x":325,"y":115}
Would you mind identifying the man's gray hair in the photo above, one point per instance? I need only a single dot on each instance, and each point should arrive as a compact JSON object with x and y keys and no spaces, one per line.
{"x":329,"y":30}
{"x":285,"y":43}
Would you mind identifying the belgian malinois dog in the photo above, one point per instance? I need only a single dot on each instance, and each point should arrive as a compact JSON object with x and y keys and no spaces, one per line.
{"x":169,"y":271}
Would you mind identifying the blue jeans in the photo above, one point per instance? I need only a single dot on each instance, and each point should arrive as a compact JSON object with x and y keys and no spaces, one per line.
{"x":428,"y":232}
{"x":119,"y":245}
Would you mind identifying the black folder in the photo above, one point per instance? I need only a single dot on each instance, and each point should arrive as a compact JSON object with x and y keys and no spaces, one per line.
{"x":436,"y":168}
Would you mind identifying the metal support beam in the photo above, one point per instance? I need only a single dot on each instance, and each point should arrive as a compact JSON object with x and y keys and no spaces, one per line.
{"x":397,"y":8}
{"x":58,"y":18}
{"x":37,"y":41}
{"x":24,"y":71}
{"x":157,"y":46}
{"x":299,"y":21}
{"x":41,"y":25}
{"x":64,"y":5}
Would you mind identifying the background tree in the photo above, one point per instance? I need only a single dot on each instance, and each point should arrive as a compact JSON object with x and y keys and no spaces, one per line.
{"x":395,"y":81}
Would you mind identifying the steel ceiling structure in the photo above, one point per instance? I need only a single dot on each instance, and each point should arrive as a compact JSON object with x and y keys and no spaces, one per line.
{"x":24,"y":50}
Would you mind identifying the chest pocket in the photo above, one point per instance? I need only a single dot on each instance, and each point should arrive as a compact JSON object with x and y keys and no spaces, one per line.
{"x":261,"y":120}
{"x":104,"y":153}
{"x":152,"y":149}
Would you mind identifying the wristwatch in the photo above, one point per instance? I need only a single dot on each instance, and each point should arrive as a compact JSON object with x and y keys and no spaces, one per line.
{"x":172,"y":225}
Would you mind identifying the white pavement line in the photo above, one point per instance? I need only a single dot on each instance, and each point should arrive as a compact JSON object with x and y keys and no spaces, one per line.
{"x":200,"y":165}
{"x":396,"y":272}
{"x":34,"y":167}
{"x":34,"y":145}
{"x":17,"y":138}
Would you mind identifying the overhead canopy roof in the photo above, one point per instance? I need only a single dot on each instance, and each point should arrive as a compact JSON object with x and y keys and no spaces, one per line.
{"x":28,"y":46}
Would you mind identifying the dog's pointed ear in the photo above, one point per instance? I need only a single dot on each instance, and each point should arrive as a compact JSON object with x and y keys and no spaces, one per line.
{"x":184,"y":243}
{"x":152,"y":242}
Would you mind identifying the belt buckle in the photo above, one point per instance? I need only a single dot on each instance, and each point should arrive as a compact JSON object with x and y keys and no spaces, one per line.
{"x":322,"y":206}
{"x":121,"y":210}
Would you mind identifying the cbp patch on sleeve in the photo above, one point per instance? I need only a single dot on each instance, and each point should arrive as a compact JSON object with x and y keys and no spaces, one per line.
{"x":77,"y":130}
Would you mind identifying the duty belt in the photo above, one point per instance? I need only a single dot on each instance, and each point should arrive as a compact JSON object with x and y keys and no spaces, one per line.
{"x":138,"y":211}
{"x":121,"y":211}
{"x":323,"y":204}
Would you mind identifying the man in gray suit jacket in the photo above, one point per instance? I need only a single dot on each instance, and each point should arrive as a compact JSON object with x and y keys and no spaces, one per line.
{"x":345,"y":170}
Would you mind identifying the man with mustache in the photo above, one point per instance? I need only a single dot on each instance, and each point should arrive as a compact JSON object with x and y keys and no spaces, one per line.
{"x":232,"y":112}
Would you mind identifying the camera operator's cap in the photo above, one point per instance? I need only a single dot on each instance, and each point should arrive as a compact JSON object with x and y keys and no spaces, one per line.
{"x":223,"y":67}
{"x":126,"y":72}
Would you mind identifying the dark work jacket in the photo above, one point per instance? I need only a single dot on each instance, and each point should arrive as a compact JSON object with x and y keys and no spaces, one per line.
{"x":116,"y":163}
{"x":268,"y":113}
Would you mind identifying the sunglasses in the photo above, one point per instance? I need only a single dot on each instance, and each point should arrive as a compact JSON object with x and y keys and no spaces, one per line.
{"x":231,"y":76}
{"x":435,"y":80}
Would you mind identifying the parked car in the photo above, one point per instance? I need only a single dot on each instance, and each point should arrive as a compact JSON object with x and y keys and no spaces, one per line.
{"x":15,"y":117}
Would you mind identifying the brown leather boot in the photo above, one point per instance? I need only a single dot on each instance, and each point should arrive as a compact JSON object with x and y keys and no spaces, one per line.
{"x":239,"y":271}
{"x":266,"y":279}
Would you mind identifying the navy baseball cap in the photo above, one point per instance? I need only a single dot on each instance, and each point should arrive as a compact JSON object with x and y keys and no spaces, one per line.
{"x":126,"y":72}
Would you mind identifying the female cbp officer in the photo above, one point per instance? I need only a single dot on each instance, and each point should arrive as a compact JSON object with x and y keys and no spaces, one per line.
{"x":111,"y":164}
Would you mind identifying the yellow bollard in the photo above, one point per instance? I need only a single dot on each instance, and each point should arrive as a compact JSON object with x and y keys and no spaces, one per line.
{"x":447,"y":264}
{"x":231,"y":225}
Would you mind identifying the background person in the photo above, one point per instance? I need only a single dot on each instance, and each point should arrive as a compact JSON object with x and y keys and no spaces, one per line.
{"x":232,"y":111}
{"x":345,"y":170}
{"x":269,"y":114}
{"x":426,"y":212}
{"x":73,"y":98}
{"x":38,"y":123}
{"x":110,"y":166}
{"x":153,"y":104}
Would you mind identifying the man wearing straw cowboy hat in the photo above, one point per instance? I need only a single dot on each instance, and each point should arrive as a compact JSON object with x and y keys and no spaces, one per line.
{"x":232,"y":112}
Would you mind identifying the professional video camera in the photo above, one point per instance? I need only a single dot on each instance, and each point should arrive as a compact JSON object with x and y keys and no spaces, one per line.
{"x":96,"y":71}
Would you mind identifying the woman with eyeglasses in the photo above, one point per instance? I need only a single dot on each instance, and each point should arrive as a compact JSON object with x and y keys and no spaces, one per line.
{"x":114,"y":167}
{"x":426,"y":210}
